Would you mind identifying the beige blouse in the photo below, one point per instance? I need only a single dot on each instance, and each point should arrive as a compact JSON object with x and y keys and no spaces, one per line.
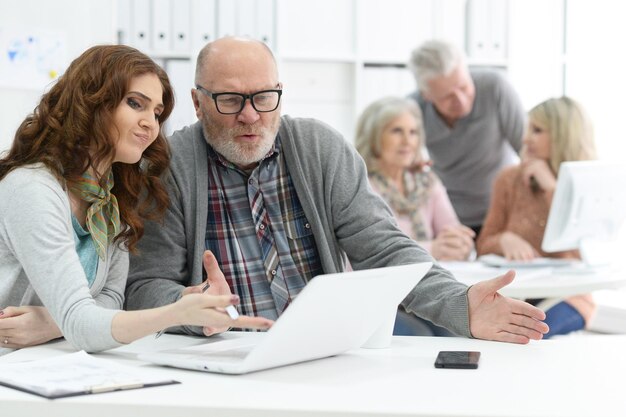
{"x":516,"y":208}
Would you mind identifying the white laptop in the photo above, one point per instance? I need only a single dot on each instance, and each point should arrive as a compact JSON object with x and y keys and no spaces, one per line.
{"x":332,"y":314}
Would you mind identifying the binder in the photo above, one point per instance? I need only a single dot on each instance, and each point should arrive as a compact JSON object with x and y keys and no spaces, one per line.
{"x":487,"y":29}
{"x":245,"y":18}
{"x":181,"y":22}
{"x":161,"y":25}
{"x":124,"y":26}
{"x":498,"y":29}
{"x":202,"y":23}
{"x":478,"y":36}
{"x":140,"y":38}
{"x":76,"y":374}
{"x":265,"y":21}
{"x":227,"y":18}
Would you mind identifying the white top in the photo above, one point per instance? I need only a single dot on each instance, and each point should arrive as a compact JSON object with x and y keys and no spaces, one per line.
{"x":39,"y":264}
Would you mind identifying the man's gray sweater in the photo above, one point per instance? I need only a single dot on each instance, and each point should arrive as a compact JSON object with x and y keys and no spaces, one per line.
{"x":346,"y":216}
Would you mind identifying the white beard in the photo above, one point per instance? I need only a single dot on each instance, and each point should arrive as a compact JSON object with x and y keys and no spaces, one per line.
{"x":240,"y":154}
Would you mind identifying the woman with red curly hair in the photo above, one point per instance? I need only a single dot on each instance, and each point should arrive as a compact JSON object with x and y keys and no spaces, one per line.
{"x":84,"y":172}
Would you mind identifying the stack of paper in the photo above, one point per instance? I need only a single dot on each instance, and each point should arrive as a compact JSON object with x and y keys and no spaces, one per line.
{"x":75,"y":374}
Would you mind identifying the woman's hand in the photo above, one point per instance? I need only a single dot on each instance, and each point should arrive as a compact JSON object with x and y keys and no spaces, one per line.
{"x":217,"y":286}
{"x":515,"y":248}
{"x":539,"y":172}
{"x":421,"y":165}
{"x":453,"y":243}
{"x":26,"y":326}
{"x":207,"y":310}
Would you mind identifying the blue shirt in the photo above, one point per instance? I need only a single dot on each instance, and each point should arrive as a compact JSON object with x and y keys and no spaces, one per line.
{"x":86,"y":251}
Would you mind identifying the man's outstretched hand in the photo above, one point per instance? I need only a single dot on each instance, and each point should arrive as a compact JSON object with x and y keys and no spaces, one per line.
{"x":495,"y":317}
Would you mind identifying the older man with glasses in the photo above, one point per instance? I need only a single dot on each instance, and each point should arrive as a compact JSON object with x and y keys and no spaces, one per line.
{"x":279,"y":200}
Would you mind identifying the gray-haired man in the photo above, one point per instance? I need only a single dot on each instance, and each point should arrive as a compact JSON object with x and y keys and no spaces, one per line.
{"x":474,"y":124}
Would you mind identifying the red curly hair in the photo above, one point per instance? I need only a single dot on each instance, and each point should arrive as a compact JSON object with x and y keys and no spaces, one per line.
{"x":69,"y":132}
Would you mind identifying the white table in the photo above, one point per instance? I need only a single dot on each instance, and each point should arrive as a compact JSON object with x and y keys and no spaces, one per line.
{"x":578,"y":376}
{"x":542,"y":283}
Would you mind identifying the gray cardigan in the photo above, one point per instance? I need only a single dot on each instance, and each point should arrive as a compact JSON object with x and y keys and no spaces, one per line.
{"x":39,"y":264}
{"x":346,"y":216}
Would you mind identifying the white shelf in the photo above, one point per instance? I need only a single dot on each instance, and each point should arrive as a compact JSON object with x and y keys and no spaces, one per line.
{"x":335,"y":56}
{"x":499,"y":63}
{"x":169,"y":54}
{"x":303,"y":57}
{"x":385,"y":63}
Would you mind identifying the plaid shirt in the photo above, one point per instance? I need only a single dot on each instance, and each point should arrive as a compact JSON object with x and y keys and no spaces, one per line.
{"x":232,"y":237}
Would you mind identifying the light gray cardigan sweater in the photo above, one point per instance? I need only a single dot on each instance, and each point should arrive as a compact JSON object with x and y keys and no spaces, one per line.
{"x":346,"y":216}
{"x":39,"y":264}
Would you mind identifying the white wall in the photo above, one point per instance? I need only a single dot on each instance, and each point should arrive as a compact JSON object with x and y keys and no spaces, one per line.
{"x":536,"y":56}
{"x":587,"y":65}
{"x":93,"y":25}
{"x":535,"y":63}
{"x":597,"y":69}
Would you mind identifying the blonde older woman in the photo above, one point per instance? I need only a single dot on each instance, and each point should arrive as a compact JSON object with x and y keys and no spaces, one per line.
{"x":389,"y":137}
{"x":559,"y":130}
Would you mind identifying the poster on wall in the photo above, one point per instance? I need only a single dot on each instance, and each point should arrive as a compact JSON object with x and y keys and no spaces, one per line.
{"x":31,"y":59}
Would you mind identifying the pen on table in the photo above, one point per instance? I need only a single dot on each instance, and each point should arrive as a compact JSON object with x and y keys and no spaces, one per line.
{"x":231,"y":310}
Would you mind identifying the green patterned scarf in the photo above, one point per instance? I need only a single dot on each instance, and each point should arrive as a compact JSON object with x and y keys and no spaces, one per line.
{"x":103,"y":216}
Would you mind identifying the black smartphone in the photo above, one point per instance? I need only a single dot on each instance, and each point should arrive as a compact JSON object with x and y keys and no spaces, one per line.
{"x":457,"y":359}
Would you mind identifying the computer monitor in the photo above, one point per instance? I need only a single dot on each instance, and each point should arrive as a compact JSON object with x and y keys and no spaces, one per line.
{"x":588,"y":208}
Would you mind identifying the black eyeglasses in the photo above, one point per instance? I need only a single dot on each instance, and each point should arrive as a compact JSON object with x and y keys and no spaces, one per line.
{"x":232,"y":103}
